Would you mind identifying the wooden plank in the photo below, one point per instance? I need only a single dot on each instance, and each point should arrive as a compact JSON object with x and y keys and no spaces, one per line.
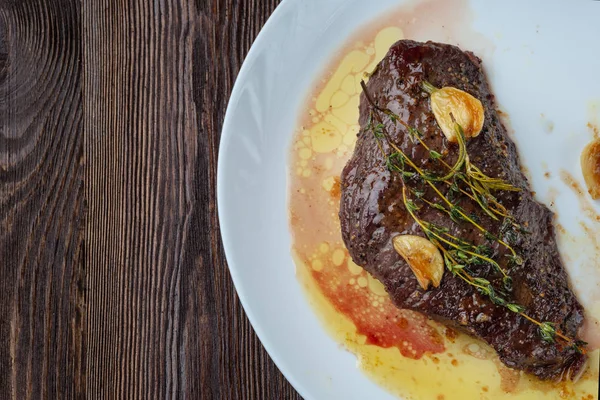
{"x":241,"y":369}
{"x":114,"y":282}
{"x":141,"y":152}
{"x":42,"y":207}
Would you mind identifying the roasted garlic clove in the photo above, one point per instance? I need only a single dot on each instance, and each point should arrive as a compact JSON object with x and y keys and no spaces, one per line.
{"x":450,"y":106}
{"x":590,"y":166}
{"x":423,"y":258}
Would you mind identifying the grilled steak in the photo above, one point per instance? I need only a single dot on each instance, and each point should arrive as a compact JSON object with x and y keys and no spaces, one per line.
{"x":372,"y":212}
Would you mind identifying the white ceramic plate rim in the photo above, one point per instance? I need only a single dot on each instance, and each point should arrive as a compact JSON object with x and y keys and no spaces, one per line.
{"x":226,"y":136}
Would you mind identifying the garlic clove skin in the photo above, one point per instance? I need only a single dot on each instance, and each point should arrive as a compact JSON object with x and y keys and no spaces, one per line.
{"x":423,"y":258}
{"x":590,"y":166}
{"x":450,"y":106}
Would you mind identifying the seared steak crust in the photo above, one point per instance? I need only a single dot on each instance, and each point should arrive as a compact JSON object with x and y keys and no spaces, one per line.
{"x":372,"y":213}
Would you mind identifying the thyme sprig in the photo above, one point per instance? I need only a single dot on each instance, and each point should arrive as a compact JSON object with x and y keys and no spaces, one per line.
{"x":430,"y":179}
{"x":457,"y":253}
{"x":478,"y":183}
{"x":547,"y":330}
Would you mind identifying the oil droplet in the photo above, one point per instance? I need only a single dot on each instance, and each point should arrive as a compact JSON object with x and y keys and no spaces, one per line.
{"x":474,"y":348}
{"x":317,"y":265}
{"x":362,"y":282}
{"x":305,"y":153}
{"x":375,"y":286}
{"x":324,"y":247}
{"x":354,"y":269}
{"x":348,"y":85}
{"x":383,"y":41}
{"x":344,"y":113}
{"x":340,"y":125}
{"x":339,"y":99}
{"x":328,"y":183}
{"x":325,"y":137}
{"x":355,"y":61}
{"x":338,"y":257}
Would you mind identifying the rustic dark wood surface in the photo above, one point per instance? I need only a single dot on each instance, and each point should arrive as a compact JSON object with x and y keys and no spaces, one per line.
{"x":113,"y":279}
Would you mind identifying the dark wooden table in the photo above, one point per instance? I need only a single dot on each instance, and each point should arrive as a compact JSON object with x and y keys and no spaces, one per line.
{"x":113,"y":279}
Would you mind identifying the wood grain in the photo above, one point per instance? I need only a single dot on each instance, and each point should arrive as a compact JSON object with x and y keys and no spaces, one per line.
{"x":113,"y":279}
{"x":42,"y":207}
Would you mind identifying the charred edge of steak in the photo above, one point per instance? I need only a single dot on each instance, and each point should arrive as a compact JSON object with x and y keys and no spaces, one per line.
{"x":372,"y":213}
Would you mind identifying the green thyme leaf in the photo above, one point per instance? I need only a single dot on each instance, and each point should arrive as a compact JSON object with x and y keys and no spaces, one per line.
{"x":415,"y":133}
{"x":499,"y":301}
{"x":484,"y":250}
{"x":485,"y":291}
{"x":489,"y":236}
{"x":418,"y":193}
{"x":437,"y":228}
{"x":515,"y":260}
{"x":395,"y":162}
{"x":439,"y":207}
{"x":481,"y":281}
{"x":578,"y":346}
{"x":475,"y":217}
{"x":449,"y":264}
{"x":378,"y":131}
{"x":434,"y":155}
{"x":458,"y":267}
{"x":456,"y":214}
{"x":506,"y":225}
{"x":548,"y":331}
{"x":411,"y":206}
{"x":516,"y":308}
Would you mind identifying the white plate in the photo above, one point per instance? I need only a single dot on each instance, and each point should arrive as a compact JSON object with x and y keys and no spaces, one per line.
{"x":545,"y":59}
